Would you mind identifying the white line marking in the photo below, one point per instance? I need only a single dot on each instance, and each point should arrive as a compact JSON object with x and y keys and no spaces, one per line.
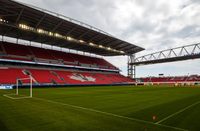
{"x":110,"y":114}
{"x":8,"y":96}
{"x":178,"y":112}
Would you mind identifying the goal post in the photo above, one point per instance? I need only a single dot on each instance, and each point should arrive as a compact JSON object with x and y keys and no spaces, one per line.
{"x":29,"y":83}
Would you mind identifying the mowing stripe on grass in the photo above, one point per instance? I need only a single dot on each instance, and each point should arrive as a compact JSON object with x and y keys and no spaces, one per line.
{"x":110,"y":114}
{"x":178,"y":112}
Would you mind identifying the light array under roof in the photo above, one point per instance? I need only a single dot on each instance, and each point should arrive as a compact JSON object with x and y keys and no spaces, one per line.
{"x":68,"y":38}
{"x":57,"y":35}
{"x":3,"y":21}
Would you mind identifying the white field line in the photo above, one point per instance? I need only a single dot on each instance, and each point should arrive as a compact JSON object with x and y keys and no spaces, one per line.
{"x":178,"y":112}
{"x":110,"y":114}
{"x":8,"y":96}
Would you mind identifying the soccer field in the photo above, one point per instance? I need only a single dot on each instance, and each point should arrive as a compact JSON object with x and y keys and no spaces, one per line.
{"x":119,"y":108}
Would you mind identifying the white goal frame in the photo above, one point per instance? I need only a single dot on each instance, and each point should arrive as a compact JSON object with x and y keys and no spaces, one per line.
{"x":12,"y":96}
{"x":30,"y":84}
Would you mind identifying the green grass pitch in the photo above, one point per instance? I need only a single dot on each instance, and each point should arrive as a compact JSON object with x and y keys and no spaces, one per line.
{"x":116,"y":108}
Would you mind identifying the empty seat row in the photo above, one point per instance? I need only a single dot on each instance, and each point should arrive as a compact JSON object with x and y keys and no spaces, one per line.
{"x":171,"y":79}
{"x":16,"y":51}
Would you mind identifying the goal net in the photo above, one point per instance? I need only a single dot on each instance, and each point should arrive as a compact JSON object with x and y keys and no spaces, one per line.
{"x":26,"y":82}
{"x":25,"y":93}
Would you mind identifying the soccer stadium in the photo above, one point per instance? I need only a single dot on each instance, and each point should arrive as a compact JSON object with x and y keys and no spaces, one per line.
{"x":47,"y":84}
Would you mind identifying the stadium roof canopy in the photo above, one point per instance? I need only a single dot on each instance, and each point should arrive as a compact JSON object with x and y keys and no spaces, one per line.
{"x":31,"y":23}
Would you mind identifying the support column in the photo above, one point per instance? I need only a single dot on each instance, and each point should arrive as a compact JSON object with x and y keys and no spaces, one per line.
{"x":131,"y":69}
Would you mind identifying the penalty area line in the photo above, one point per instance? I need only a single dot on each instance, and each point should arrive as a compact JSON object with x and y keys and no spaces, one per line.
{"x":109,"y":114}
{"x":178,"y":112}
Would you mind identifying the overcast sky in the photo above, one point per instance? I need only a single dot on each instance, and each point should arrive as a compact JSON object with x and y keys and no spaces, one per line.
{"x":152,"y":24}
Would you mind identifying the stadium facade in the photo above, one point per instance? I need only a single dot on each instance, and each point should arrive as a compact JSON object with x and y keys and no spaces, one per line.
{"x":55,"y":67}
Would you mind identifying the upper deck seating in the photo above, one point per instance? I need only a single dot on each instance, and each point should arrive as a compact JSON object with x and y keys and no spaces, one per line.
{"x":29,"y":53}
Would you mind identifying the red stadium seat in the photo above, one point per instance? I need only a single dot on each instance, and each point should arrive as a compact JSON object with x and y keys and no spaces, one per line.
{"x":29,"y":53}
{"x":61,"y":77}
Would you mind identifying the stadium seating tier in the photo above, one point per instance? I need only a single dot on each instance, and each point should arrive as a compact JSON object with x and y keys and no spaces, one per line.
{"x":36,"y":54}
{"x":41,"y":76}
